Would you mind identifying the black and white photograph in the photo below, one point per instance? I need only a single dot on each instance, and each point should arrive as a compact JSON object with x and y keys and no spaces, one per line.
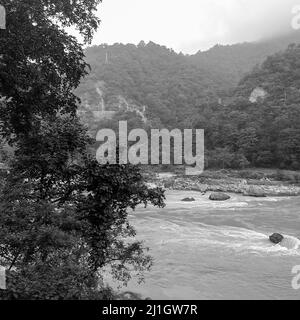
{"x":149,"y":151}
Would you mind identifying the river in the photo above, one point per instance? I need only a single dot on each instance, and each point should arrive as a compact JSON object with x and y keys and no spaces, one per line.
{"x":219,"y":250}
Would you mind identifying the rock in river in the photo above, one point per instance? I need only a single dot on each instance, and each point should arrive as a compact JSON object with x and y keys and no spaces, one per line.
{"x":188,"y":200}
{"x":219,"y":196}
{"x":276,"y":238}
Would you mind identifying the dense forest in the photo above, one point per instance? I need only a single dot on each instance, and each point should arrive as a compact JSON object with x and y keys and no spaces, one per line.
{"x":64,"y":217}
{"x":167,"y":83}
{"x":209,"y":90}
{"x":265,"y":131}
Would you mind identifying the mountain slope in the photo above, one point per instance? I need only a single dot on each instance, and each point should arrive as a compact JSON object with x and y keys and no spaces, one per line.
{"x":228,"y":64}
{"x":150,"y":83}
{"x":170,"y":85}
{"x":265,"y":131}
{"x":147,"y":75}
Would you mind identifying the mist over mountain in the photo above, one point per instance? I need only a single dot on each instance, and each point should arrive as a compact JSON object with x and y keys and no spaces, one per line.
{"x":228,"y":64}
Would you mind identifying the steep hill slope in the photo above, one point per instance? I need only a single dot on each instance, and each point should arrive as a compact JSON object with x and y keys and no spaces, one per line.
{"x":228,"y":64}
{"x":146,"y":75}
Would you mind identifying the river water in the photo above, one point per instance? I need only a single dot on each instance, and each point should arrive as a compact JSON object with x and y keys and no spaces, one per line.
{"x":219,"y":250}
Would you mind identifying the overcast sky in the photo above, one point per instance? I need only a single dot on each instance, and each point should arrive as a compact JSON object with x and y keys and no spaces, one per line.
{"x":192,"y":25}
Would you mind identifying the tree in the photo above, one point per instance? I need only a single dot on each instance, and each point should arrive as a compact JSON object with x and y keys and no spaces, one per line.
{"x":40,"y":63}
{"x":247,"y":142}
{"x":223,"y":158}
{"x":63,"y":216}
{"x":289,"y":148}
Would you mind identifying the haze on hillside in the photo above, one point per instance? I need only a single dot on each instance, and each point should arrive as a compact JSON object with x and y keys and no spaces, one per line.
{"x":193,"y":25}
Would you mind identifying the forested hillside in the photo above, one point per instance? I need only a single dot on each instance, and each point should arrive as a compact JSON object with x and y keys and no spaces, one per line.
{"x":264,"y":133}
{"x":209,"y":90}
{"x":147,"y":75}
{"x":228,"y":64}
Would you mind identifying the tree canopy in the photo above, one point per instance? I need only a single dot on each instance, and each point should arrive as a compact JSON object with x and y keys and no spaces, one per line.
{"x":63,"y":217}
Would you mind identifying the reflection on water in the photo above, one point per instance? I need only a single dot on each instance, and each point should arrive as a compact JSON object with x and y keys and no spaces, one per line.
{"x":220,"y":250}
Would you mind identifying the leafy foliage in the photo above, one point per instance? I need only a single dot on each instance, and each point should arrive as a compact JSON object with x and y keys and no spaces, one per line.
{"x":64,"y":218}
{"x":40,"y":63}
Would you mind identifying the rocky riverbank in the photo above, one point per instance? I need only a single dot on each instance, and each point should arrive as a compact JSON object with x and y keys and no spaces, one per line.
{"x":228,"y":183}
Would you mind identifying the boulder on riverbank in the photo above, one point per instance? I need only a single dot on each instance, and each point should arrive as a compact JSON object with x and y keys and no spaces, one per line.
{"x":188,"y":200}
{"x":276,"y":238}
{"x":254,"y":191}
{"x":219,"y":196}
